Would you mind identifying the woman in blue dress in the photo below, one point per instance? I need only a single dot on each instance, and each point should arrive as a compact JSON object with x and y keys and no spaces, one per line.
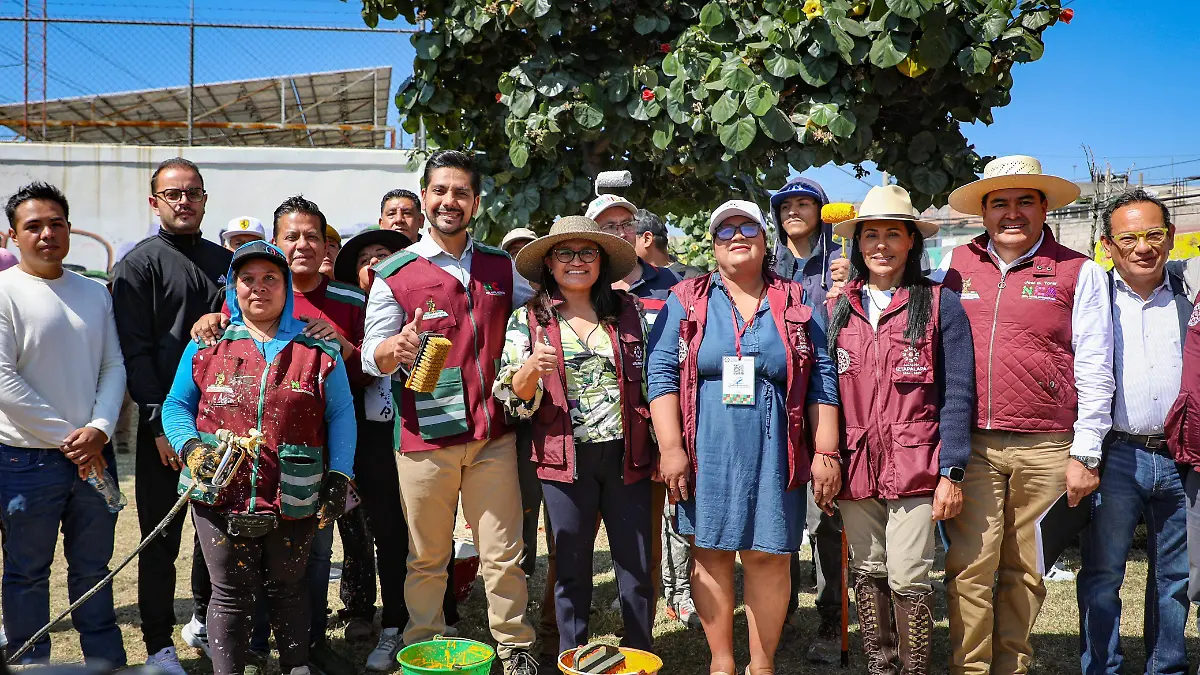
{"x":744,"y":403}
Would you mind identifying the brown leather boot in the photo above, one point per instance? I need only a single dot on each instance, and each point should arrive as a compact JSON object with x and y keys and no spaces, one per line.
{"x":914,"y":621}
{"x":874,"y":600}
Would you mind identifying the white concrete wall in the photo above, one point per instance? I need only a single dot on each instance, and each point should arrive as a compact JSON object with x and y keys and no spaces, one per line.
{"x":108,"y":185}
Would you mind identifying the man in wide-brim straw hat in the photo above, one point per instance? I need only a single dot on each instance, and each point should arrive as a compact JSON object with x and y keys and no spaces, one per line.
{"x":1042,"y":328}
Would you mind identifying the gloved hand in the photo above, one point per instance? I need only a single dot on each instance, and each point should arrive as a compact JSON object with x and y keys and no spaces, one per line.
{"x":201,"y":459}
{"x":332,"y":502}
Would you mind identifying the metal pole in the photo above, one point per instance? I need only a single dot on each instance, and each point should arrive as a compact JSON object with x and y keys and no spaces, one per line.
{"x":25,"y":125}
{"x":45,"y":69}
{"x":191,"y":69}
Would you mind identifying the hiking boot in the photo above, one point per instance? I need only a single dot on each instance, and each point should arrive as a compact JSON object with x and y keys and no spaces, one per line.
{"x":358,"y":630}
{"x":167,"y":661}
{"x":195,"y":634}
{"x":520,"y":663}
{"x":382,"y":659}
{"x":874,"y":600}
{"x":914,"y":624}
{"x":325,"y":660}
{"x":826,"y":647}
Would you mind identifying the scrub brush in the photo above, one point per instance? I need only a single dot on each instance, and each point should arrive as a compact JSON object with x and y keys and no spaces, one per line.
{"x":431,"y":358}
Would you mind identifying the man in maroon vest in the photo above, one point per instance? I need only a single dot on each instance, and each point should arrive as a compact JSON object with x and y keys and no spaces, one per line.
{"x":454,"y":440}
{"x":1042,"y":328}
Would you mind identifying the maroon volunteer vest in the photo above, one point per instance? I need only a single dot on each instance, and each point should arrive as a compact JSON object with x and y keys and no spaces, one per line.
{"x":553,"y":437}
{"x":1021,"y":327}
{"x":285,"y":400}
{"x":461,"y":409}
{"x":791,"y":315}
{"x":1183,"y":420}
{"x":889,"y":399}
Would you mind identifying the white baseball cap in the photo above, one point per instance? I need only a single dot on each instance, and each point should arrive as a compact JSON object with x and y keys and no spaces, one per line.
{"x":243,"y":225}
{"x":604,"y":202}
{"x":735,"y":207}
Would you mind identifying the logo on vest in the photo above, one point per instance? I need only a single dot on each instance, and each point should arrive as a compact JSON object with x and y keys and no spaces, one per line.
{"x":432,"y":312}
{"x":843,"y":361}
{"x":1195,"y":317}
{"x":637,"y":356}
{"x":802,"y":339}
{"x":967,"y":292}
{"x":1040,"y":290}
{"x":683,"y":351}
{"x":219,"y":387}
{"x":910,"y":362}
{"x":298,"y":387}
{"x":492,"y":289}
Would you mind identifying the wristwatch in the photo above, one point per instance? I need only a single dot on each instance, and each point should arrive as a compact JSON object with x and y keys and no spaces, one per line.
{"x":1087,"y":460}
{"x":954,"y":473}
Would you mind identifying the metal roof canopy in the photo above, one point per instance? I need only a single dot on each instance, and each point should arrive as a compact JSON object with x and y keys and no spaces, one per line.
{"x":346,"y":108}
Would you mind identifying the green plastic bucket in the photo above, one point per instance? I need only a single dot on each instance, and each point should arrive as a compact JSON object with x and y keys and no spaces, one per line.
{"x":446,"y":655}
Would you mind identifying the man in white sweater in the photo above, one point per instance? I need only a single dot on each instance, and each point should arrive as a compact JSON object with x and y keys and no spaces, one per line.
{"x":62,"y":381}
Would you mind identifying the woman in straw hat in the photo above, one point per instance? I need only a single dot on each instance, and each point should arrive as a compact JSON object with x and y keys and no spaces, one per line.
{"x":744,"y":399}
{"x":573,"y":365}
{"x":906,"y":380}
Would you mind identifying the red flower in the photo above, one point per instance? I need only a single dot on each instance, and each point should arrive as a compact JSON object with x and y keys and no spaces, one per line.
{"x":647,"y":95}
{"x":499,"y":96}
{"x":1066,"y":15}
{"x":665,"y":48}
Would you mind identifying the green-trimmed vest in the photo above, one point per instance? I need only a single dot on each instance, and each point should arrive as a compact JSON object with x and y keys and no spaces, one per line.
{"x":285,"y":400}
{"x":462,"y":408}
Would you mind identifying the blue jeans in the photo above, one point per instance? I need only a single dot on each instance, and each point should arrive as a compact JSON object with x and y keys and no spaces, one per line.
{"x":40,"y":491}
{"x":1135,"y":483}
{"x":318,"y":581}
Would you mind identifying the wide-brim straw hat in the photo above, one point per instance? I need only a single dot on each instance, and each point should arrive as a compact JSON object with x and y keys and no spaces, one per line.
{"x":345,"y":267}
{"x":621,"y":255}
{"x":887,"y":202}
{"x":1013,"y":171}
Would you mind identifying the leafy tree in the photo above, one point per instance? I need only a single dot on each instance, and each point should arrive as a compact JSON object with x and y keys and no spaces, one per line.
{"x":704,"y":100}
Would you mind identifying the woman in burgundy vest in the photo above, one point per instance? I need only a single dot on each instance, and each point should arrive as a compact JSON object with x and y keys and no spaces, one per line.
{"x":744,"y":399}
{"x":263,"y":374}
{"x":905,"y":365}
{"x":573,"y":365}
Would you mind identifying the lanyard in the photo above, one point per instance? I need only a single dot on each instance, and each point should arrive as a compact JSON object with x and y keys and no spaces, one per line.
{"x":737,"y":334}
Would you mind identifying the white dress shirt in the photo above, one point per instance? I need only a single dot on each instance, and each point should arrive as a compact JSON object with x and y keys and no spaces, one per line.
{"x":1092,"y":342}
{"x":1147,"y":358}
{"x":385,"y":316}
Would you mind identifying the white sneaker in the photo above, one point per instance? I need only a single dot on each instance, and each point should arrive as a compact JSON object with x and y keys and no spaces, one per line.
{"x":167,"y":661}
{"x":1059,"y":573}
{"x":195,"y":634}
{"x":301,"y":670}
{"x":3,"y":638}
{"x":382,"y":659}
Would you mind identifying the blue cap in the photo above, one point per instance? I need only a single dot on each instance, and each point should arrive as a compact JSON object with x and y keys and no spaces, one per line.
{"x":798,"y":187}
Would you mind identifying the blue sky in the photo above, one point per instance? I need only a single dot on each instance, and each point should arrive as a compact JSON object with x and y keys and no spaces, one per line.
{"x":1120,"y":79}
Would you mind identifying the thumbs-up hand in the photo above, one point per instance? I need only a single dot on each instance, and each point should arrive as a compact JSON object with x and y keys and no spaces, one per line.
{"x":544,"y":357}
{"x":403,"y":345}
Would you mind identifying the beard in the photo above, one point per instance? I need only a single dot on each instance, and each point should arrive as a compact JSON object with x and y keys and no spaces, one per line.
{"x":449,"y":230}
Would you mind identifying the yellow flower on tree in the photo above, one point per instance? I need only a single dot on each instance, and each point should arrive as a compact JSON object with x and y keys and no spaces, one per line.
{"x":813,"y":9}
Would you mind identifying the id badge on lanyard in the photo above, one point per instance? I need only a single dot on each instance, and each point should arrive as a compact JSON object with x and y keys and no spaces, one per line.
{"x":737,"y":372}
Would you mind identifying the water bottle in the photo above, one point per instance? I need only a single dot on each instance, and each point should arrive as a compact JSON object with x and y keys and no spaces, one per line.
{"x":114,"y":499}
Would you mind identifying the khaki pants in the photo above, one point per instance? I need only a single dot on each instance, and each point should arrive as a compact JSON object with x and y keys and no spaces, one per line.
{"x":891,"y":539}
{"x":485,"y":472}
{"x":1012,"y":478}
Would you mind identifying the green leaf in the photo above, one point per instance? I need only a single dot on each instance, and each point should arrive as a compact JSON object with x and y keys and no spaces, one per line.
{"x":648,"y":77}
{"x":822,"y":114}
{"x":889,"y":49}
{"x":782,"y":66}
{"x":550,"y":27}
{"x":817,"y":72}
{"x":843,"y":125}
{"x":428,"y":45}
{"x":1035,"y":20}
{"x":928,"y":181}
{"x":738,"y":78}
{"x":725,"y":107}
{"x":645,"y":25}
{"x":934,"y":50}
{"x":988,"y":26}
{"x":922,"y":147}
{"x":506,"y":85}
{"x":518,"y":153}
{"x":642,"y":110}
{"x":619,"y":85}
{"x":588,"y":116}
{"x":852,"y":27}
{"x":526,"y":200}
{"x":670,"y":65}
{"x":910,"y":9}
{"x":739,"y":134}
{"x":712,"y":15}
{"x":760,"y":99}
{"x":974,"y":60}
{"x":664,"y":133}
{"x":553,"y":84}
{"x":536,"y":8}
{"x":777,"y":126}
{"x":522,"y":101}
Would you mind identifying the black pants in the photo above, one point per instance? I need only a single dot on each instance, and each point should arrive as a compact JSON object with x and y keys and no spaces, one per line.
{"x":155,"y":491}
{"x":357,"y":590}
{"x":531,"y":496}
{"x":825,"y":537}
{"x":600,"y":489}
{"x":239,"y":567}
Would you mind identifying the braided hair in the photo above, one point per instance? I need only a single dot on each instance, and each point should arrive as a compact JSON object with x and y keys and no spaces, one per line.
{"x":920,"y":291}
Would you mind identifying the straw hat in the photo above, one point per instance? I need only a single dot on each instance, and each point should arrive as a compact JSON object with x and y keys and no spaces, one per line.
{"x":1014,"y":171}
{"x":517,"y":234}
{"x":889,"y":202}
{"x":345,"y":267}
{"x":621,"y":255}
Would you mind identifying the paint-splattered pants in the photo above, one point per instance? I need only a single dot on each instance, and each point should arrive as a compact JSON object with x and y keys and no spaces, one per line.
{"x":238,"y":566}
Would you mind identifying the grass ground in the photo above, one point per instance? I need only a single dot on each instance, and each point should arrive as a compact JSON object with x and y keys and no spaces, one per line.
{"x":685,"y":652}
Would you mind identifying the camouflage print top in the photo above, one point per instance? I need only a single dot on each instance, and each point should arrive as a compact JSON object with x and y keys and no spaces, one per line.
{"x":593,"y":392}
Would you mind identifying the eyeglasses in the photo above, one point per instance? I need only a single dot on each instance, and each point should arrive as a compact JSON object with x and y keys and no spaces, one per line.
{"x":175,"y":195}
{"x":748,"y":230}
{"x":1128,"y":241}
{"x":585,"y":255}
{"x":614,"y":228}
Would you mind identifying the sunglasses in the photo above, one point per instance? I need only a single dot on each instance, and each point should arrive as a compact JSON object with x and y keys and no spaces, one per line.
{"x":1128,"y":241}
{"x":585,"y":255}
{"x":748,"y":230}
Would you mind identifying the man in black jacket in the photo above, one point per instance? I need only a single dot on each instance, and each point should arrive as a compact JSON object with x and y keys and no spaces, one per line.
{"x":160,"y":289}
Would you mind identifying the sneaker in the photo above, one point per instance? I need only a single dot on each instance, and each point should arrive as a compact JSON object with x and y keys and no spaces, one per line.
{"x":195,"y":634}
{"x":300,"y":670}
{"x":3,"y":638}
{"x":325,"y":660}
{"x":685,"y":612}
{"x":167,"y":661}
{"x":520,"y":663}
{"x":826,"y":647}
{"x":358,"y":630}
{"x":1059,"y":573}
{"x":383,"y":658}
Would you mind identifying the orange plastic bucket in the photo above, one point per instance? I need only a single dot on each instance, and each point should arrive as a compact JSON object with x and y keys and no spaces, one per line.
{"x":637,"y":662}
